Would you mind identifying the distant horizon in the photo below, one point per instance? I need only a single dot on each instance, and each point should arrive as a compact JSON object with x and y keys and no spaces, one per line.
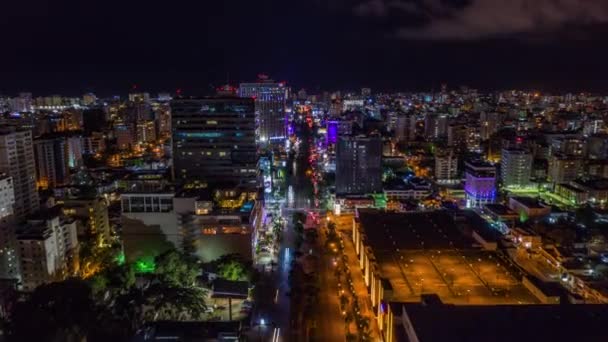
{"x":211,"y":87}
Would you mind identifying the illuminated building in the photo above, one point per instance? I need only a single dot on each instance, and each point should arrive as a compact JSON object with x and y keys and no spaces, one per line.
{"x":124,"y":136}
{"x":515,"y":168}
{"x":17,"y":161}
{"x":457,"y":134}
{"x":89,"y":99}
{"x":146,"y":131}
{"x":9,"y":267}
{"x":270,"y":104}
{"x":406,"y":128}
{"x":358,"y":165}
{"x":435,"y":126}
{"x":207,"y":223}
{"x":52,"y":162}
{"x":563,"y":169}
{"x":489,"y":124}
{"x":214,"y":140}
{"x":480,"y":183}
{"x":94,"y":214}
{"x":48,"y":248}
{"x":570,"y":146}
{"x":96,"y":143}
{"x":405,"y":255}
{"x":446,"y":166}
{"x":75,"y":150}
{"x":22,"y":103}
{"x":7,"y":196}
{"x":332,"y":132}
{"x":139,"y":97}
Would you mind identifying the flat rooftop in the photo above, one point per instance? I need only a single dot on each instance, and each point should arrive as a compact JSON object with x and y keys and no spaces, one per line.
{"x":419,"y":230}
{"x":427,"y":253}
{"x":529,"y":202}
{"x":594,"y":184}
{"x":440,"y":322}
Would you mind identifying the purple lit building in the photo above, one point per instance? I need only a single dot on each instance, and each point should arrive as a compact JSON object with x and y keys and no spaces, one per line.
{"x":480,"y":186}
{"x":332,"y":132}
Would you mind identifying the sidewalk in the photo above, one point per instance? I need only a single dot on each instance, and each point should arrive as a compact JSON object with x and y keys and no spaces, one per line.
{"x":359,"y":285}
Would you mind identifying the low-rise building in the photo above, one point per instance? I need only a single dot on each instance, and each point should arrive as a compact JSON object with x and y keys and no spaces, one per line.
{"x":528,"y":207}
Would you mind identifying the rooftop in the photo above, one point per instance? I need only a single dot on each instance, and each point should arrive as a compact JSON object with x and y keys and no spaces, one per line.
{"x":428,"y":252}
{"x":442,"y":322}
{"x":529,"y":202}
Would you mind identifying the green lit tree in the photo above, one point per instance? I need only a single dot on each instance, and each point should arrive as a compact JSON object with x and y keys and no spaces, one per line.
{"x":176,"y":269}
{"x":233,"y":267}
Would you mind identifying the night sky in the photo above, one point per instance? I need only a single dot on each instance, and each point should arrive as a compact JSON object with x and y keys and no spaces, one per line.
{"x":70,"y":47}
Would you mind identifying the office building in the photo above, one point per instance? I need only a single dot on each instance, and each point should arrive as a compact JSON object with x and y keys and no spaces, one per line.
{"x":52,"y":162}
{"x":270,"y":101}
{"x":214,"y":140}
{"x":515,"y":168}
{"x":48,"y":248}
{"x":480,"y":183}
{"x":359,"y":165}
{"x":17,"y":161}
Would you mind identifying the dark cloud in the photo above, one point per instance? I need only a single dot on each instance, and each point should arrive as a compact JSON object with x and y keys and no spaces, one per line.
{"x":479,"y":19}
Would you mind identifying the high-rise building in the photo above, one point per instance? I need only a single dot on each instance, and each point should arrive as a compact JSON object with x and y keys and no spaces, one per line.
{"x":22,"y":103}
{"x":435,"y":126}
{"x":446,"y":166}
{"x":564,"y":169}
{"x":406,"y":128}
{"x":9,"y":267}
{"x":146,"y":131}
{"x":214,"y":140}
{"x":52,"y":162}
{"x":125,"y":138}
{"x":270,"y":104}
{"x":489,"y":124}
{"x":17,"y":161}
{"x":515,"y":167}
{"x":358,"y":165}
{"x":480,"y":186}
